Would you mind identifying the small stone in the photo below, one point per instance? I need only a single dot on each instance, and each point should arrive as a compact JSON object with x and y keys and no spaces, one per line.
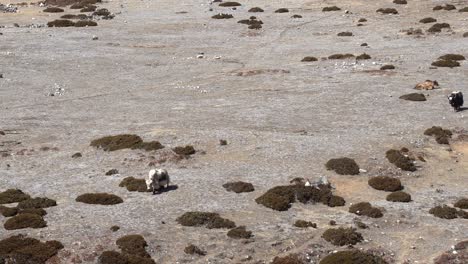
{"x":95,"y":38}
{"x":77,"y":155}
{"x":362,"y":170}
{"x":200,"y":56}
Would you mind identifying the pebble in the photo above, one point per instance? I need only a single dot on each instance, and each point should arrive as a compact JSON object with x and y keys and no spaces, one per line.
{"x":95,"y":38}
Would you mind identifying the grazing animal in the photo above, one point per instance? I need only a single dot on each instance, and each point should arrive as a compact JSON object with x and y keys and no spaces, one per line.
{"x":456,"y":100}
{"x":427,"y":85}
{"x":157,"y":179}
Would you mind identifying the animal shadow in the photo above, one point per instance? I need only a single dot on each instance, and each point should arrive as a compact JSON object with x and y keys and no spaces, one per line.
{"x":168,"y":189}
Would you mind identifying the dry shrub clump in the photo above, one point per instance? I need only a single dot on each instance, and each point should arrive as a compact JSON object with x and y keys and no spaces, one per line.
{"x":352,"y":257}
{"x":428,"y":20}
{"x":133,"y":252}
{"x":446,"y":7}
{"x":99,"y":198}
{"x":455,"y":57}
{"x":239,"y":187}
{"x":445,"y":212}
{"x":229,"y":4}
{"x":417,"y":97}
{"x":465,"y":9}
{"x":437,"y":27}
{"x":290,"y":259}
{"x":342,"y":236}
{"x":134,"y":185}
{"x":365,"y":208}
{"x":387,"y":11}
{"x":13,"y":196}
{"x":184,"y":151}
{"x":446,"y":63}
{"x":296,"y":16}
{"x":112,"y":172}
{"x":192,"y":250}
{"x":39,"y":202}
{"x":77,"y":155}
{"x":441,"y":135}
{"x":400,"y":2}
{"x":255,"y":10}
{"x":345,"y":34}
{"x":397,"y":158}
{"x":363,"y":56}
{"x":304,"y":224}
{"x":8,"y":211}
{"x":53,"y":10}
{"x":209,"y":220}
{"x":399,"y":196}
{"x":309,"y":59}
{"x":331,"y":8}
{"x":115,"y":228}
{"x":124,"y":141}
{"x":343,"y":166}
{"x":38,"y":211}
{"x":87,"y":9}
{"x":384,"y":183}
{"x":340,"y":56}
{"x":239,"y":233}
{"x":21,"y":249}
{"x":25,"y":221}
{"x":102,"y":12}
{"x":282,"y":10}
{"x":362,"y":20}
{"x":462,"y":203}
{"x":85,"y":23}
{"x":387,"y":67}
{"x":222,"y":16}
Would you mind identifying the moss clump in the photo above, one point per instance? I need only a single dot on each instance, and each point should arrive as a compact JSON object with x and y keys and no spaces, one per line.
{"x":384,"y":183}
{"x":102,"y":12}
{"x":13,"y":196}
{"x":455,"y":57}
{"x":115,"y":228}
{"x":465,"y":9}
{"x":363,"y":56}
{"x":255,"y":10}
{"x":112,"y":172}
{"x":362,"y":20}
{"x":184,"y":151}
{"x":441,"y":135}
{"x":61,"y":23}
{"x":462,"y":203}
{"x":278,"y":198}
{"x":112,"y":257}
{"x":400,"y":2}
{"x":444,"y":212}
{"x":77,"y":155}
{"x":21,"y":249}
{"x":361,"y":225}
{"x":345,"y":34}
{"x":290,"y":259}
{"x":38,"y":211}
{"x":417,"y":97}
{"x":85,"y":23}
{"x":87,"y":9}
{"x":53,"y":10}
{"x":99,"y":198}
{"x":112,"y":143}
{"x":340,"y":56}
{"x":336,"y":200}
{"x":365,"y":208}
{"x":25,"y":221}
{"x":446,"y":7}
{"x":134,"y":185}
{"x":331,"y":8}
{"x":342,"y":236}
{"x":8,"y":211}
{"x":343,"y":166}
{"x":239,"y":233}
{"x":352,"y":257}
{"x":309,"y":59}
{"x":304,"y":224}
{"x":149,"y":146}
{"x":397,"y":158}
{"x":399,"y":196}
{"x":252,"y":21}
{"x":229,"y":4}
{"x":446,"y":63}
{"x":438,"y":27}
{"x":387,"y":11}
{"x":209,"y":220}
{"x":192,"y":250}
{"x":133,"y":245}
{"x":427,"y":20}
{"x":39,"y":202}
{"x":387,"y":67}
{"x":239,"y":187}
{"x":222,"y":16}
{"x":282,"y":10}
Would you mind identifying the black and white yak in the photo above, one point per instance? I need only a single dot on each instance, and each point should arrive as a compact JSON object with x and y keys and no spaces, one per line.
{"x":157,"y":179}
{"x":456,"y":100}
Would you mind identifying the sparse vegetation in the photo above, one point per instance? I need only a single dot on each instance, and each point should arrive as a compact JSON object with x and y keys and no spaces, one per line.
{"x":222,"y":16}
{"x":340,"y":56}
{"x":134,"y":185}
{"x":352,"y":257}
{"x":417,"y":97}
{"x":13,"y":196}
{"x":112,"y":172}
{"x":441,"y":135}
{"x":366,"y":209}
{"x":209,"y":220}
{"x":454,"y":57}
{"x":400,"y":2}
{"x":343,"y":166}
{"x":387,"y":67}
{"x":282,"y":10}
{"x":362,"y":20}
{"x":331,"y":8}
{"x":53,"y":10}
{"x":133,"y":252}
{"x":304,"y":224}
{"x":113,"y":143}
{"x":39,"y":202}
{"x":8,"y":211}
{"x":38,"y":211}
{"x":399,"y":196}
{"x":462,"y":203}
{"x":397,"y":158}
{"x":309,"y":59}
{"x":384,"y":183}
{"x":296,"y":16}
{"x":24,"y":250}
{"x":239,"y":187}
{"x":99,"y":198}
{"x":255,"y":10}
{"x":85,"y":23}
{"x":437,"y":27}
{"x":387,"y":11}
{"x":89,"y":8}
{"x":446,"y":63}
{"x":446,"y":7}
{"x":239,"y":233}
{"x":290,"y":259}
{"x":427,"y":20}
{"x":21,"y":221}
{"x":192,"y":250}
{"x":444,"y":211}
{"x":229,"y":4}
{"x":465,"y":9}
{"x":77,"y":155}
{"x":184,"y":151}
{"x":342,"y":236}
{"x":345,"y":34}
{"x":363,"y":56}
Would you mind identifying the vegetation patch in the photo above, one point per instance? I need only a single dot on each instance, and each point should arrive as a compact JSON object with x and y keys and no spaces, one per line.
{"x":397,"y":158}
{"x":102,"y":12}
{"x":85,"y":23}
{"x":437,"y":27}
{"x":282,"y":10}
{"x":343,"y":166}
{"x":363,"y":56}
{"x":309,"y":59}
{"x":99,"y":198}
{"x":417,"y":97}
{"x":134,"y":185}
{"x":384,"y":183}
{"x":444,"y":211}
{"x":304,"y":224}
{"x":296,"y":16}
{"x":446,"y":63}
{"x":239,"y":233}
{"x":115,"y":228}
{"x":399,"y":196}
{"x":342,"y":236}
{"x":53,"y":10}
{"x":290,"y":259}
{"x":387,"y":67}
{"x":345,"y":34}
{"x":77,"y":155}
{"x":21,"y":221}
{"x":112,"y":143}
{"x":222,"y":16}
{"x":400,"y":2}
{"x":387,"y":11}
{"x":13,"y":196}
{"x":427,"y":20}
{"x":89,"y":8}
{"x":194,"y":250}
{"x":361,"y":225}
{"x":441,"y":135}
{"x":21,"y":249}
{"x":340,"y":56}
{"x":229,"y":4}
{"x":465,"y":9}
{"x":133,"y":245}
{"x":112,"y":172}
{"x":255,"y":10}
{"x":366,"y":209}
{"x":352,"y":257}
{"x":462,"y":203}
{"x":239,"y":187}
{"x":184,"y":151}
{"x":362,"y":20}
{"x":8,"y":211}
{"x":209,"y":220}
{"x":331,"y":8}
{"x":455,"y":57}
{"x":446,"y":7}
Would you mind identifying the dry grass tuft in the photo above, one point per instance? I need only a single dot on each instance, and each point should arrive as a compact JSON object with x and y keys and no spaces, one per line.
{"x":365,"y":208}
{"x":99,"y":198}
{"x":239,"y":187}
{"x":342,"y":236}
{"x":209,"y":220}
{"x":384,"y":183}
{"x":343,"y":166}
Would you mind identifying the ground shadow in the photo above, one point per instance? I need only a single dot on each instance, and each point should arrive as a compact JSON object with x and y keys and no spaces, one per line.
{"x":168,"y":189}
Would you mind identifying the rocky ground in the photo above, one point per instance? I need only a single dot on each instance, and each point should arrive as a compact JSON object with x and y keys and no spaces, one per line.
{"x":139,"y":73}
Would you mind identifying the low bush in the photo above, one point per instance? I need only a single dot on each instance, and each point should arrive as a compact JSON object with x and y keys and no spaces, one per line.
{"x":444,"y":212}
{"x":427,"y":20}
{"x":417,"y":97}
{"x":229,"y":4}
{"x":397,"y":158}
{"x":455,"y":57}
{"x":21,"y":221}
{"x":446,"y":63}
{"x":209,"y":220}
{"x":255,"y":10}
{"x":85,"y":23}
{"x":343,"y":166}
{"x":53,"y":10}
{"x":39,"y":202}
{"x":290,"y":259}
{"x":462,"y":203}
{"x":282,"y":10}
{"x":8,"y":211}
{"x":239,"y":233}
{"x":24,"y":250}
{"x":342,"y":236}
{"x":239,"y":187}
{"x":309,"y":59}
{"x":13,"y":196}
{"x":399,"y":196}
{"x":384,"y":183}
{"x":438,"y":27}
{"x":352,"y":257}
{"x":304,"y":224}
{"x":99,"y":198}
{"x":222,"y":16}
{"x":331,"y":8}
{"x":366,"y":209}
{"x":387,"y":11}
{"x":441,"y":135}
{"x":345,"y":34}
{"x":134,"y":185}
{"x":387,"y":67}
{"x":340,"y":56}
{"x":363,"y":56}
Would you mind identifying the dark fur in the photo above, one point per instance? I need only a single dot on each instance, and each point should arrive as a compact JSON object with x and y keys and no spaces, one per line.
{"x":456,"y":100}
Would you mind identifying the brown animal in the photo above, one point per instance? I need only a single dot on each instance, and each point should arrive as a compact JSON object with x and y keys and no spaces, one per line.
{"x":427,"y":85}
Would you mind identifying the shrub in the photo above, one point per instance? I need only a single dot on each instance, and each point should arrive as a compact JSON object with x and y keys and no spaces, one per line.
{"x":239,"y":187}
{"x":363,"y":56}
{"x":441,"y":135}
{"x":77,"y":155}
{"x":222,"y":16}
{"x":134,"y":185}
{"x":336,"y":200}
{"x":309,"y":59}
{"x":184,"y":151}
{"x":25,"y":221}
{"x":112,"y":172}
{"x":282,"y":10}
{"x":345,"y":34}
{"x":102,"y":12}
{"x":255,"y":10}
{"x":239,"y":233}
{"x":255,"y":26}
{"x":455,"y":57}
{"x":112,"y":143}
{"x":53,"y":10}
{"x":387,"y":11}
{"x":352,"y":257}
{"x":115,"y":228}
{"x":8,"y":211}
{"x":112,"y":257}
{"x":192,"y":250}
{"x":38,"y":211}
{"x":342,"y":236}
{"x":229,"y":4}
{"x":331,"y":8}
{"x":210,"y":220}
{"x":361,"y":225}
{"x":365,"y":208}
{"x":90,"y":8}
{"x":296,"y":16}
{"x":437,"y":27}
{"x":465,"y":9}
{"x":446,"y":63}
{"x":462,"y":203}
{"x":343,"y":166}
{"x":401,"y":161}
{"x":399,"y":196}
{"x":387,"y":67}
{"x":21,"y":249}
{"x":13,"y":196}
{"x":278,"y":198}
{"x":418,"y":97}
{"x":400,"y":2}
{"x":444,"y":212}
{"x":99,"y":198}
{"x":85,"y":23}
{"x":78,"y":6}
{"x":384,"y":183}
{"x":133,"y":245}
{"x":304,"y":224}
{"x":290,"y":259}
{"x":39,"y":202}
{"x":428,"y":20}
{"x":340,"y":56}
